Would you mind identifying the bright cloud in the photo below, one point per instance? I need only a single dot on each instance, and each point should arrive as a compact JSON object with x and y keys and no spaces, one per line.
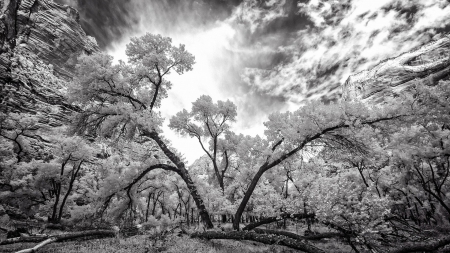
{"x":272,"y":55}
{"x":348,"y":37}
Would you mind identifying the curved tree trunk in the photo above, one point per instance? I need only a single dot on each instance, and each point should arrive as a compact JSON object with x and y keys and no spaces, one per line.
{"x":248,"y":194}
{"x":265,"y":167}
{"x":268,"y":165}
{"x":181,"y":170}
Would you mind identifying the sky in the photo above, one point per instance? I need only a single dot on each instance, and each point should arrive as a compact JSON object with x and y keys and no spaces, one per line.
{"x":265,"y":55}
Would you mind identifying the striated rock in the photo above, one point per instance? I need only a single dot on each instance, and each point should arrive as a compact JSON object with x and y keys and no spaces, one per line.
{"x":39,"y":44}
{"x":426,"y":65}
{"x":46,"y":29}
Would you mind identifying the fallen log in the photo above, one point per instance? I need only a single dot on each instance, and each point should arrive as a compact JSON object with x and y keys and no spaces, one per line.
{"x":423,"y":246}
{"x":47,"y":239}
{"x":299,"y":244}
{"x":278,"y":232}
{"x":24,"y":239}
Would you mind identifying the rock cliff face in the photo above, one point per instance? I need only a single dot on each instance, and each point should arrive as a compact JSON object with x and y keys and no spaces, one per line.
{"x":426,"y":65}
{"x":39,"y":44}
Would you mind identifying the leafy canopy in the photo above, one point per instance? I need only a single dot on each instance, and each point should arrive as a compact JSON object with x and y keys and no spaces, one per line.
{"x":118,"y":98}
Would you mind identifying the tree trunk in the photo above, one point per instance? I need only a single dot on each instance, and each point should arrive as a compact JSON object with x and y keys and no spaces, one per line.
{"x":69,"y":190}
{"x":161,"y":203}
{"x":246,"y":198}
{"x":216,"y":171}
{"x":299,"y":237}
{"x":57,"y":188}
{"x":184,"y":175}
{"x":424,"y":246}
{"x":56,"y":238}
{"x":148,"y":206}
{"x":266,"y":166}
{"x":155,"y":202}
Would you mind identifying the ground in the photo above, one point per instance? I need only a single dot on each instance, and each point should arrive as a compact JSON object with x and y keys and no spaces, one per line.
{"x":141,"y":244}
{"x":173,"y":244}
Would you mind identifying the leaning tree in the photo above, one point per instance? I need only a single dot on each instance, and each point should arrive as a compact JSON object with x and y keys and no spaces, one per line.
{"x":120,"y":101}
{"x":208,"y":120}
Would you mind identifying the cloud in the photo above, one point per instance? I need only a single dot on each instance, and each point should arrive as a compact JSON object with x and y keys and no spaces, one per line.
{"x":265,"y":55}
{"x":106,"y":20}
{"x":348,"y":37}
{"x":111,"y":20}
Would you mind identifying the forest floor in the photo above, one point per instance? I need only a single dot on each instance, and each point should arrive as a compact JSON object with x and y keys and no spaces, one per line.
{"x":172,"y":243}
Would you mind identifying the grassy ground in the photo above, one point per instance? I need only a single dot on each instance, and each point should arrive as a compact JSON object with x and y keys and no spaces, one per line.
{"x":141,"y":243}
{"x":172,"y":244}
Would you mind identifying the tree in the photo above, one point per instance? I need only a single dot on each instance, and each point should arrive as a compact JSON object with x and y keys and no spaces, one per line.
{"x":75,"y":152}
{"x":209,"y":120}
{"x":40,"y":165}
{"x":119,"y":101}
{"x":312,"y":124}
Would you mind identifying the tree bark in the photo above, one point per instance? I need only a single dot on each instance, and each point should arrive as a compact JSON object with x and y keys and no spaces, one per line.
{"x":184,"y":174}
{"x":279,"y":232}
{"x":150,"y":194}
{"x":299,"y":237}
{"x":69,"y":190}
{"x":424,"y":246}
{"x":263,"y":238}
{"x":24,"y":239}
{"x":266,"y":166}
{"x":248,"y":194}
{"x":57,"y":189}
{"x":46,"y":239}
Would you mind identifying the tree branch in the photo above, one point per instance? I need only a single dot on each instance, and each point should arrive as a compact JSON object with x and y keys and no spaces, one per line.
{"x":424,"y":246}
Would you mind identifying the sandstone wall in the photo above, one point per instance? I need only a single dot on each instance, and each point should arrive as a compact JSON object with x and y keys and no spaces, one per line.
{"x":425,"y":65}
{"x":39,"y":44}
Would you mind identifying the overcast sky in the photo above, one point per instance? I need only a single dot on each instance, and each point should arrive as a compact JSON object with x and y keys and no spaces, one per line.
{"x":265,"y":55}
